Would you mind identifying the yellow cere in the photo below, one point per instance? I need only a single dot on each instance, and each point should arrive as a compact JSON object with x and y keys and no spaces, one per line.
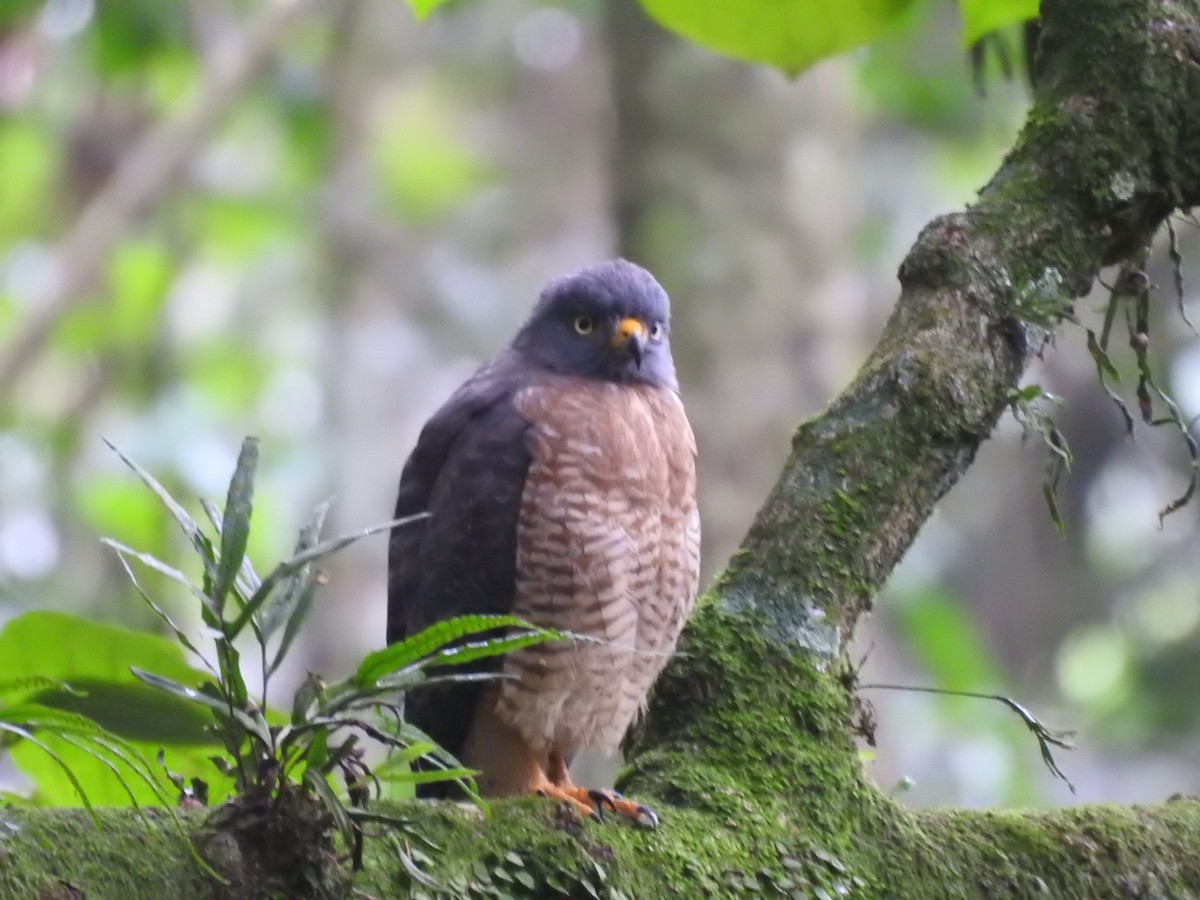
{"x":627,"y":329}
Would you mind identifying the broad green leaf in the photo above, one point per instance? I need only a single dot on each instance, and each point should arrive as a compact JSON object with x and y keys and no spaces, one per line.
{"x":94,"y":660}
{"x":982,"y":17}
{"x":235,"y":528}
{"x":131,"y":711}
{"x":68,"y":771}
{"x":56,"y":727}
{"x":72,"y":650}
{"x":788,"y":34}
{"x":15,"y":690}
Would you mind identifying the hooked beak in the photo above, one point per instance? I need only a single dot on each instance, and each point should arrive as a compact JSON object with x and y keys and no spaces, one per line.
{"x":630,"y":336}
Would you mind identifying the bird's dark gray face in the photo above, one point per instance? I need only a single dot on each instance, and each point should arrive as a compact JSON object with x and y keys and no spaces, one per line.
{"x":609,"y":321}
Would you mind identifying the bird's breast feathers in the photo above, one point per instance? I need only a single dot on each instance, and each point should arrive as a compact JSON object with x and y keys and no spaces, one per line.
{"x":607,"y":547}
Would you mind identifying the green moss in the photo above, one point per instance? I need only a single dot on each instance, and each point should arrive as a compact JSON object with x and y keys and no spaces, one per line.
{"x":1089,"y":853}
{"x":48,"y":850}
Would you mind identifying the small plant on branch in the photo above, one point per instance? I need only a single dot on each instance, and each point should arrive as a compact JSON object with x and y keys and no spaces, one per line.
{"x":272,"y":758}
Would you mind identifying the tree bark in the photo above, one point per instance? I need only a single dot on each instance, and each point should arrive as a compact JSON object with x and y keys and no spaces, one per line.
{"x":748,"y":747}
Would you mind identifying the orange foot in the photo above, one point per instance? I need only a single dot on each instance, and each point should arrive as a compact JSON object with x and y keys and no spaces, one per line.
{"x":592,"y":803}
{"x":588,"y":802}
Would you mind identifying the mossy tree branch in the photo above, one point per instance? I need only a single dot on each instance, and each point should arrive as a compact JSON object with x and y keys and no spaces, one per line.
{"x":1110,"y":148}
{"x":748,"y":745}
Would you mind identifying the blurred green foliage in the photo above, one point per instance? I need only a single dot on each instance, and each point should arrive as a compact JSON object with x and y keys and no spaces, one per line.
{"x":30,"y":157}
{"x":425,"y":169}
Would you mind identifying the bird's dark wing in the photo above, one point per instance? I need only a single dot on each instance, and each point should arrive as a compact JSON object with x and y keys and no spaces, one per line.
{"x":468,"y":471}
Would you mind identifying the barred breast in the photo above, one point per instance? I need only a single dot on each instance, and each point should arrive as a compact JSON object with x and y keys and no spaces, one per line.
{"x":608,"y":540}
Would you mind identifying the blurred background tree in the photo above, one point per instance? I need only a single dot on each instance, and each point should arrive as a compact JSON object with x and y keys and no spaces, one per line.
{"x":309,"y":221}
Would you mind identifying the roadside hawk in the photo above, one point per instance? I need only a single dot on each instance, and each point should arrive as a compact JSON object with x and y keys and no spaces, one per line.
{"x":560,"y":480}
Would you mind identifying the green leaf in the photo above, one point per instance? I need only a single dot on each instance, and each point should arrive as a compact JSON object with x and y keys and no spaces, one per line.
{"x":235,"y":530}
{"x":16,"y":690}
{"x":157,"y":565}
{"x":68,"y":771}
{"x":253,"y":724}
{"x":200,"y":541}
{"x":291,"y":601}
{"x":297,"y":562}
{"x":788,"y":34}
{"x":119,"y":757}
{"x":437,"y":637}
{"x":337,"y":810}
{"x":248,"y":581}
{"x":982,"y":17}
{"x":428,"y":776}
{"x":180,"y":635}
{"x":306,"y":695}
{"x":131,"y":711}
{"x":75,"y":651}
{"x":46,"y":651}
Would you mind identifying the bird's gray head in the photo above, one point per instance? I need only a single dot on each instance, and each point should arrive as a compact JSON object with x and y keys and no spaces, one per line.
{"x":609,"y":321}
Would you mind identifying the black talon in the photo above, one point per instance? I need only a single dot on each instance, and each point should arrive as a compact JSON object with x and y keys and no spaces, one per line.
{"x":647,"y":817}
{"x":600,"y":798}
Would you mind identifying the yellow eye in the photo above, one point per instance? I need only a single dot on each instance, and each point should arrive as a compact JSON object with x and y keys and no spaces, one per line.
{"x":657,"y":331}
{"x":584,"y":325}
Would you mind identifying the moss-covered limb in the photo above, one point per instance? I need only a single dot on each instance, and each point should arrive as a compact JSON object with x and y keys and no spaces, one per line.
{"x":758,"y":847}
{"x":762,"y":797}
{"x":1090,"y":853}
{"x":1111,"y":147}
{"x":47,"y":852}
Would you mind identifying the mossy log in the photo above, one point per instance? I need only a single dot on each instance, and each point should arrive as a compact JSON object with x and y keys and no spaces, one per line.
{"x":748,"y":748}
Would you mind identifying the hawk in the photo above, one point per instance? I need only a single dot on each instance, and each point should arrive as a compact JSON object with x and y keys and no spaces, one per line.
{"x":560,"y":482}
